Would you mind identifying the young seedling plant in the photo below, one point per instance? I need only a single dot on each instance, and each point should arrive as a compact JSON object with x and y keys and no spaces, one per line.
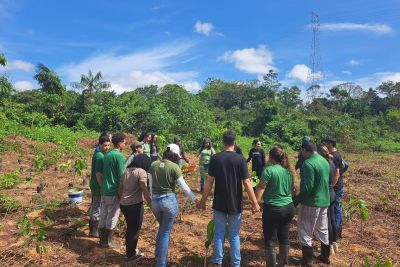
{"x":379,"y":263}
{"x":356,"y":205}
{"x":210,"y":237}
{"x":34,"y":232}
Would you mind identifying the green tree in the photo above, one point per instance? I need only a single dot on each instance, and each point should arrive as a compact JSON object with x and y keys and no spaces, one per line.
{"x":5,"y":86}
{"x":290,"y":98}
{"x":49,"y":80}
{"x":92,"y":83}
{"x":271,"y":80}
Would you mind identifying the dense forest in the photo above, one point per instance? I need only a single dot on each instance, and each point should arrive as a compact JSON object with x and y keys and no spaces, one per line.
{"x":360,"y":118}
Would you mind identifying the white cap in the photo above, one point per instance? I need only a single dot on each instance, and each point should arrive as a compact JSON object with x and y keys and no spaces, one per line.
{"x":175,"y":149}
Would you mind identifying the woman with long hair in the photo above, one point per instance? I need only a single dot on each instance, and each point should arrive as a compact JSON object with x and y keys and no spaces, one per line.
{"x":276,"y":186}
{"x":332,"y":229}
{"x":205,"y":152}
{"x":164,"y":175}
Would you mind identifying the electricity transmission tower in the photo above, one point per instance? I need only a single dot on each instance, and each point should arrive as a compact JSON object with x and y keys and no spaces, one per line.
{"x":314,"y":74}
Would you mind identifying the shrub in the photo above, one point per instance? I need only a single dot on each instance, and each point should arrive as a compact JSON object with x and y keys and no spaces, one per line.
{"x":8,"y":204}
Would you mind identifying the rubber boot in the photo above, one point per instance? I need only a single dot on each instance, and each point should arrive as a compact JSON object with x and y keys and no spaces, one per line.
{"x":283,"y":255}
{"x":109,"y":234}
{"x":325,"y":253}
{"x":103,"y":239}
{"x":93,"y":231}
{"x":270,"y":255}
{"x":307,"y":259}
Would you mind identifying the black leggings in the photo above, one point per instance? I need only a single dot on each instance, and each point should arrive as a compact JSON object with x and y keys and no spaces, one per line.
{"x":332,"y":229}
{"x":134,"y":218}
{"x":276,"y":223}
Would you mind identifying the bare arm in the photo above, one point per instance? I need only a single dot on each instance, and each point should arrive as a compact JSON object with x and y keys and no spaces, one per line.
{"x":250,"y":193}
{"x":145,"y":191}
{"x":207,"y":190}
{"x":336,"y":176}
{"x":260,"y":190}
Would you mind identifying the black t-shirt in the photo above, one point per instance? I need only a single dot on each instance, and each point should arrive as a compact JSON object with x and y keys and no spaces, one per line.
{"x":337,"y":160}
{"x":229,"y":169}
{"x":257,"y":158}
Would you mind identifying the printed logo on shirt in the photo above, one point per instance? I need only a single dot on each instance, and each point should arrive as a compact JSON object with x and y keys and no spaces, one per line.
{"x":162,"y":165}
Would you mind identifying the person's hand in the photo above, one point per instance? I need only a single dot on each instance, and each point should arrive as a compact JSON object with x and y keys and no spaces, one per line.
{"x":201,"y":205}
{"x":255,"y":208}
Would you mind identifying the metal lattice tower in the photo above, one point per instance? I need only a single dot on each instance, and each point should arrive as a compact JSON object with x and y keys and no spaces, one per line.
{"x":315,"y":73}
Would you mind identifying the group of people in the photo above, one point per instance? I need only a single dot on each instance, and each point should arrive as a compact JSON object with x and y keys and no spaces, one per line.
{"x":119,"y":185}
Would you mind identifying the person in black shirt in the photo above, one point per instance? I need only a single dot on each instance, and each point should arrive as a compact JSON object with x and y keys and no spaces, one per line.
{"x":229,"y":171}
{"x":257,"y":157}
{"x":330,"y":143}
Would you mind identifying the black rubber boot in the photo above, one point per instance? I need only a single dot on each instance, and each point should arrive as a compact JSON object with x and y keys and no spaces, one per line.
{"x":283,"y":255}
{"x":93,"y":231}
{"x":270,"y":256}
{"x":307,"y":259}
{"x":103,"y":238}
{"x":325,"y":253}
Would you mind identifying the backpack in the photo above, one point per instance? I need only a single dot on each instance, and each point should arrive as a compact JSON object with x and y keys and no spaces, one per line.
{"x":345,"y":166}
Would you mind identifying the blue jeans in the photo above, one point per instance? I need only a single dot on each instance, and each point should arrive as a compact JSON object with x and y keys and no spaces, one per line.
{"x":165,"y":208}
{"x":203,"y":175}
{"x":180,"y":163}
{"x":220,"y":221}
{"x":337,"y":205}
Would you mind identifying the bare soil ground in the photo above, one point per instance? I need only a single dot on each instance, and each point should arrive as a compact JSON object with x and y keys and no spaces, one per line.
{"x":373,"y":177}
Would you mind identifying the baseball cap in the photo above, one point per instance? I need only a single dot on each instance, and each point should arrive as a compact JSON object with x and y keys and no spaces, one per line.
{"x":175,"y":149}
{"x":135,"y":144}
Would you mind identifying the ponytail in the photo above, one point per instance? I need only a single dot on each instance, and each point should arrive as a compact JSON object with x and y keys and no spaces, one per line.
{"x":281,"y":157}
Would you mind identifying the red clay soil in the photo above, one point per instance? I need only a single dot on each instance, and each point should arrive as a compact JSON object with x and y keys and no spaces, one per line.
{"x":373,"y":177}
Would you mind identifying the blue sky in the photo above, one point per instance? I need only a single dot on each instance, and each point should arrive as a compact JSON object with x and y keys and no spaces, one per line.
{"x":135,"y":43}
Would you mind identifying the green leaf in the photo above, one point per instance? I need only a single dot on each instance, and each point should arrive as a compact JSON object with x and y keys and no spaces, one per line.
{"x":39,"y":223}
{"x":210,"y":233}
{"x":365,"y":262}
{"x":364,"y":214}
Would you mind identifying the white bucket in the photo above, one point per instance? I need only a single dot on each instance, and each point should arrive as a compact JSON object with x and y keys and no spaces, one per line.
{"x":75,"y":196}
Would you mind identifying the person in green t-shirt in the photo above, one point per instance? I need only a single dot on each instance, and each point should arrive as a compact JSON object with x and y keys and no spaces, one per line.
{"x":276,"y":186}
{"x":315,"y":200}
{"x":205,"y":152}
{"x":95,"y":182}
{"x":146,"y":144}
{"x":113,"y":168}
{"x":163,"y":177}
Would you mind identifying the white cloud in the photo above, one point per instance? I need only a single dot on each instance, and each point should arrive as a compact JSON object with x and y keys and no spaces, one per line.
{"x":19,"y":65}
{"x":302,"y":72}
{"x":346,"y":72}
{"x":251,"y":60}
{"x":136,"y":69}
{"x":367,"y":27}
{"x":388,"y":76}
{"x":203,"y":28}
{"x":193,"y":87}
{"x":23,"y":85}
{"x":354,"y":62}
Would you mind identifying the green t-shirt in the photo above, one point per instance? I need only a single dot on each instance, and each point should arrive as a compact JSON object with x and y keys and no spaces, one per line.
{"x":314,"y":185}
{"x":97,"y":166}
{"x":146,"y":149}
{"x":279,"y":185}
{"x":113,"y":168}
{"x":205,"y":155}
{"x":164,"y":174}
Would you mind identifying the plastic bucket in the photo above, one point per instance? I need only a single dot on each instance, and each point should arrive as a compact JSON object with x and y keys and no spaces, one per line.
{"x":75,"y":196}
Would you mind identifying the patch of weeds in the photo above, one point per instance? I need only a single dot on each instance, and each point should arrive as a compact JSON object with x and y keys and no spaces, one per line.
{"x":8,"y":204}
{"x":51,"y":206}
{"x":379,"y":262}
{"x":9,"y":180}
{"x":9,"y":146}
